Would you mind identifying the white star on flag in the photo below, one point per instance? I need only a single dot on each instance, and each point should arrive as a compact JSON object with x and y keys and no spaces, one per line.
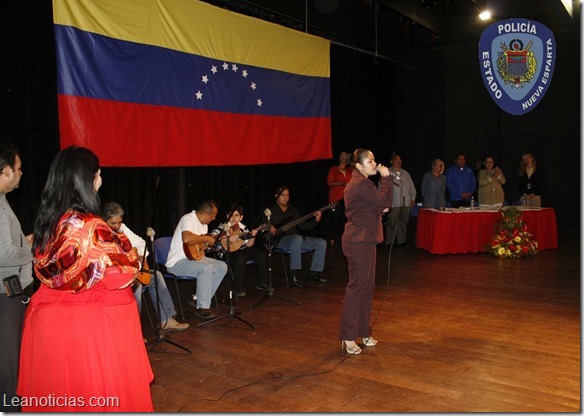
{"x":218,"y":78}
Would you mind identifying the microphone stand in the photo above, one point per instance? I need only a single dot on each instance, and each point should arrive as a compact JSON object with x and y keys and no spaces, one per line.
{"x":160,"y":335}
{"x":231,"y":314}
{"x":270,"y":293}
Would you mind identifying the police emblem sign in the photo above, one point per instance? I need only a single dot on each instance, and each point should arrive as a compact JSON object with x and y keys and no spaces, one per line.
{"x":517,"y":59}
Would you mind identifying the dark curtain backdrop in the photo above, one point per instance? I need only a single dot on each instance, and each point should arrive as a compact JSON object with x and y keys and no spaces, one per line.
{"x":361,"y":117}
{"x":432,"y":108}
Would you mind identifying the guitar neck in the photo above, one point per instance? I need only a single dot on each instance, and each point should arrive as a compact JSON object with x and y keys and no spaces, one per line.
{"x":300,"y":220}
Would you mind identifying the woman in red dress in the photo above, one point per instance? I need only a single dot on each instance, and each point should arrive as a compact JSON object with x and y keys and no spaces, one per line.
{"x":364,"y":204}
{"x":82,"y":347}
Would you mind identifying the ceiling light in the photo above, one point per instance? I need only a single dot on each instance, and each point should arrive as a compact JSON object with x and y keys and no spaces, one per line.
{"x":486,"y":15}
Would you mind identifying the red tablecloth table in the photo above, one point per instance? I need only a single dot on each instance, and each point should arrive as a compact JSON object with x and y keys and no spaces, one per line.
{"x":464,"y":231}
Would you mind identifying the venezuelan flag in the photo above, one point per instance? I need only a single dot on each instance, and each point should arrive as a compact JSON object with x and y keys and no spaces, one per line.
{"x":184,"y":83}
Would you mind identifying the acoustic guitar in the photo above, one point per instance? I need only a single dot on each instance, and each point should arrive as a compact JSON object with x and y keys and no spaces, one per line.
{"x":144,"y":276}
{"x":197,"y":251}
{"x":236,"y":245}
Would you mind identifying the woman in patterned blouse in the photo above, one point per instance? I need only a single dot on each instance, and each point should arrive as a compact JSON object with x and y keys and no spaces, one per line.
{"x":82,"y":339}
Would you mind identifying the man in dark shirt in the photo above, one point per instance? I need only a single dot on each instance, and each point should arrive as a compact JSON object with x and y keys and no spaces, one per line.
{"x":283,"y":213}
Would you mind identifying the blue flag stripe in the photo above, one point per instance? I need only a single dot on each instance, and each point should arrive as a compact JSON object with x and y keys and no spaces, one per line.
{"x":97,"y":66}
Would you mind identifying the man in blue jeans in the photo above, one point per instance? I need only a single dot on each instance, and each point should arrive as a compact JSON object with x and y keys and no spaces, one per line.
{"x":283,"y":213}
{"x":192,"y":231}
{"x":113,"y":214}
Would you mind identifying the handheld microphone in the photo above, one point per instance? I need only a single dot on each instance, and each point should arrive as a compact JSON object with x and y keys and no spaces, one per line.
{"x":390,"y":172}
{"x":267,"y":213}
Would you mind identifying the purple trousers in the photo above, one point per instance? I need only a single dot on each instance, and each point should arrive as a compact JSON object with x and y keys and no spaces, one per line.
{"x":361,"y":259}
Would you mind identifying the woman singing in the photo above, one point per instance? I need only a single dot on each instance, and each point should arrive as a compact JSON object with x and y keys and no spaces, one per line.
{"x":364,"y":204}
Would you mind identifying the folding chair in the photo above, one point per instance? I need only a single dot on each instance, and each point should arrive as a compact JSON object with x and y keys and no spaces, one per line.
{"x":161,"y":249}
{"x":282,"y":252}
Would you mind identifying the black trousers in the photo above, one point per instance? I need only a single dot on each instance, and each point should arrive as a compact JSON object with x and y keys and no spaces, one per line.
{"x":238,"y":260}
{"x":11,"y":322}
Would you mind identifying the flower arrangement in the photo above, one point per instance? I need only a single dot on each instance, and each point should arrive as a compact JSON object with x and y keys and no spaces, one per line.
{"x":512,"y":240}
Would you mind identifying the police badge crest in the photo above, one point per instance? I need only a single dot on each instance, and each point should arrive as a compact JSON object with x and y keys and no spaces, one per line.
{"x":517,"y":59}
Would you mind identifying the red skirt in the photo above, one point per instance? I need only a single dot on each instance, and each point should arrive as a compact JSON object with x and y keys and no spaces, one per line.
{"x":84,"y":353}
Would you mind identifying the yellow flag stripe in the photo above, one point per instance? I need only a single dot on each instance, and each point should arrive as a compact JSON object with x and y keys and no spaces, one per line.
{"x":199,"y":28}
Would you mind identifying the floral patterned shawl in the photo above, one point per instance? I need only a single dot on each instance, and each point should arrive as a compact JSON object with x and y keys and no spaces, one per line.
{"x":84,"y":251}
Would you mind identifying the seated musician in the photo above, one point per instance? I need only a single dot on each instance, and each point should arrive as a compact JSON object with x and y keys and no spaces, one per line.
{"x":241,"y":250}
{"x":113,"y":214}
{"x":190,"y":236}
{"x":283,"y":212}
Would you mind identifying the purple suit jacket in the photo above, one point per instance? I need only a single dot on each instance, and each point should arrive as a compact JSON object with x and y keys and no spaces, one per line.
{"x":364,"y":205}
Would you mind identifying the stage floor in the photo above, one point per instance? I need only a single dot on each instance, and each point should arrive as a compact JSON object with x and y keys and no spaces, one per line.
{"x":457,"y":333}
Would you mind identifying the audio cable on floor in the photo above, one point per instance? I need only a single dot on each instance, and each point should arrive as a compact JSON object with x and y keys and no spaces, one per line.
{"x":274,"y":375}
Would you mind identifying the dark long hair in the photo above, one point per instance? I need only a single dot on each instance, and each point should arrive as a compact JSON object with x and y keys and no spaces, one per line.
{"x":69,"y":186}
